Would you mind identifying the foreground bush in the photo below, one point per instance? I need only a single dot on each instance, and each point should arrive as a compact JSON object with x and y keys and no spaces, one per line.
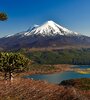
{"x":82,"y":84}
{"x":12,"y":62}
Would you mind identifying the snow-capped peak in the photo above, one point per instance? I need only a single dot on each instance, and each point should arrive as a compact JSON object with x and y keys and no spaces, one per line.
{"x":50,"y":28}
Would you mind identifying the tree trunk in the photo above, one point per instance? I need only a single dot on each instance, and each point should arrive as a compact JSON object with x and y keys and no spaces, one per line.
{"x":5,"y":76}
{"x":10,"y":75}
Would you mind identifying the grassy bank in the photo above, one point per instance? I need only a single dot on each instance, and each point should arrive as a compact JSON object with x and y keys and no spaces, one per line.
{"x":45,"y":69}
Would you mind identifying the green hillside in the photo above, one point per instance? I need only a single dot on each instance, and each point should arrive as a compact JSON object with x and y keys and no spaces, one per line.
{"x":66,"y":56}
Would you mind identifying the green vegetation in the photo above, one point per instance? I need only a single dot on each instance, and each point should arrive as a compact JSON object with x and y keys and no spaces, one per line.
{"x":3,"y":16}
{"x":12,"y":62}
{"x":72,"y":56}
{"x":82,"y":84}
{"x":38,"y":67}
{"x":41,"y":60}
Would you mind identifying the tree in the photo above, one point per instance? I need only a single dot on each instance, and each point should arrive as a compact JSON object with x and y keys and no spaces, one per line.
{"x":12,"y":62}
{"x":3,"y":16}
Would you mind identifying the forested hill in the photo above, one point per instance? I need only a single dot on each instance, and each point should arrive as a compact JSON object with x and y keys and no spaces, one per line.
{"x":66,"y":56}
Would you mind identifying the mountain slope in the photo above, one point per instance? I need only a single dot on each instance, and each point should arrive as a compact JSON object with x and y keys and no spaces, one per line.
{"x":49,"y":34}
{"x":50,"y":28}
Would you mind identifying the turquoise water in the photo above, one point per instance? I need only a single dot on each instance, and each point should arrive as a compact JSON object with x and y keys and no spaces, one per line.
{"x":56,"y":78}
{"x":82,"y":66}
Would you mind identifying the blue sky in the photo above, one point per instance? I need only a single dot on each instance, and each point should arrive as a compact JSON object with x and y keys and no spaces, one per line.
{"x":73,"y":14}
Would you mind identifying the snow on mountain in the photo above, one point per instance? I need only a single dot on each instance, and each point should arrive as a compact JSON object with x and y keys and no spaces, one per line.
{"x":8,"y":36}
{"x":49,"y":34}
{"x":32,"y":28}
{"x":50,"y":28}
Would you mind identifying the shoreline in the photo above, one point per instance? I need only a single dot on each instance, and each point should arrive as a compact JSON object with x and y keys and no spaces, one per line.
{"x":58,"y":69}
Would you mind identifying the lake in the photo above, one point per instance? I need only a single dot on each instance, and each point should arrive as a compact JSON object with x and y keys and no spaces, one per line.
{"x":81,"y":66}
{"x":56,"y":78}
